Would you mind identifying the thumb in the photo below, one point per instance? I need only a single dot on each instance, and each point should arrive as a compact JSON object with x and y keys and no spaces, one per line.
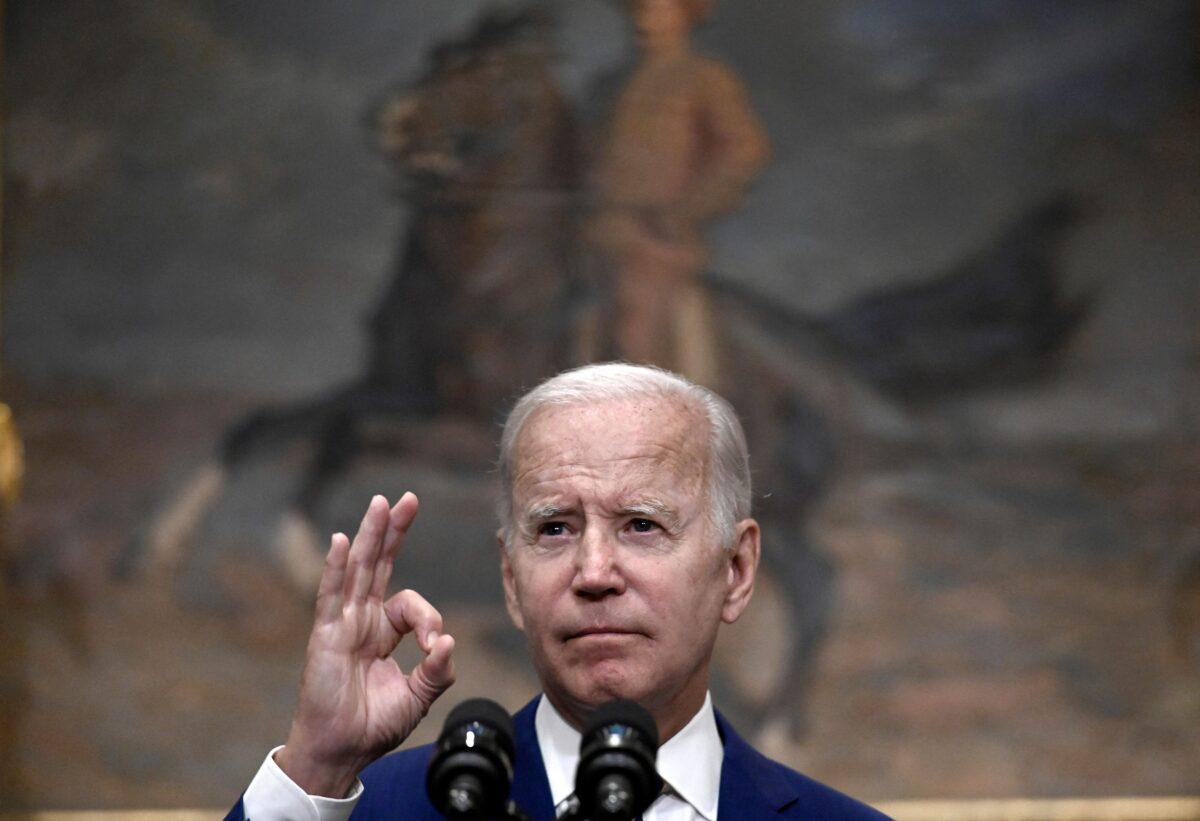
{"x":435,"y":673}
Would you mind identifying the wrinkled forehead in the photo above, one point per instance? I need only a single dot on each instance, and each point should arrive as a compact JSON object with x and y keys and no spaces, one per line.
{"x":664,"y":434}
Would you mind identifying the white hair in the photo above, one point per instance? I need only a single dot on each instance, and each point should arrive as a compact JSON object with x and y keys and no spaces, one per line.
{"x":728,"y":461}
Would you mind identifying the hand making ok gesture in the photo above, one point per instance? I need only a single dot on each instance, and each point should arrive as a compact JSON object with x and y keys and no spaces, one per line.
{"x":355,"y":702}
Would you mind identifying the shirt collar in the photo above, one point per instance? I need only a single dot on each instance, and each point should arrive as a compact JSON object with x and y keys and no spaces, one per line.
{"x":690,"y":761}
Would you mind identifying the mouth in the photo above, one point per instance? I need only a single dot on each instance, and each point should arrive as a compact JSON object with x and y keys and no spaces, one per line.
{"x":602,"y":631}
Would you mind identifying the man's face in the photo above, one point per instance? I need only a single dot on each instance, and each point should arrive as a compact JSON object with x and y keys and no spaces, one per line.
{"x":613,"y":569}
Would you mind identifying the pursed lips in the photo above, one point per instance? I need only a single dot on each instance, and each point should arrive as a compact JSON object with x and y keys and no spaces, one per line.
{"x":602,"y":630}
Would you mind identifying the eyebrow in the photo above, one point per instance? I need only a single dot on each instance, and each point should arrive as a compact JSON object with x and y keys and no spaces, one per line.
{"x":644,"y":507}
{"x":542,"y":513}
{"x":651,"y":508}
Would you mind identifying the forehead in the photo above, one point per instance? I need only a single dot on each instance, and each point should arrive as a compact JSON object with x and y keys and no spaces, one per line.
{"x":634,"y":437}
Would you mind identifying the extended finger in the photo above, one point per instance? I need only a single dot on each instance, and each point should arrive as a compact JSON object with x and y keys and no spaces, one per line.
{"x":435,"y":673}
{"x":364,"y":552}
{"x":329,"y":592}
{"x":400,"y":518}
{"x":408,"y":611}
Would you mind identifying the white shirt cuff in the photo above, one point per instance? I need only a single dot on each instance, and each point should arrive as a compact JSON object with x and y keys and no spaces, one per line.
{"x":272,"y":796}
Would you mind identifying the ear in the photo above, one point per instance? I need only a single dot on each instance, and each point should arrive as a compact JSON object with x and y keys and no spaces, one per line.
{"x":741,"y":569}
{"x":511,"y":601}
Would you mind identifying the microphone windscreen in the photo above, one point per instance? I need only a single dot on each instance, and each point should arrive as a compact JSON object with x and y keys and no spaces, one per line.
{"x":487,"y":712}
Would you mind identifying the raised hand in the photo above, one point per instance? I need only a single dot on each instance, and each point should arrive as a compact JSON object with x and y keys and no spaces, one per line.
{"x":355,"y":702}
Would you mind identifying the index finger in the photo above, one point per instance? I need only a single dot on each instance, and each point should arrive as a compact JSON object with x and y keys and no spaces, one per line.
{"x":408,"y":611}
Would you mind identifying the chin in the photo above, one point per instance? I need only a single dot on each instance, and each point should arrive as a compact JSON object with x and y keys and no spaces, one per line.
{"x":605,"y":681}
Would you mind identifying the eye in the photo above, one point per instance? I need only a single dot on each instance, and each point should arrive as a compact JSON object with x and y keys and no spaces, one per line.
{"x":642,"y":525}
{"x":552,"y":529}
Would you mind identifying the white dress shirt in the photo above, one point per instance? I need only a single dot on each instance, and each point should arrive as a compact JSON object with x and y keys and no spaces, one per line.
{"x":689,"y":763}
{"x":272,"y":796}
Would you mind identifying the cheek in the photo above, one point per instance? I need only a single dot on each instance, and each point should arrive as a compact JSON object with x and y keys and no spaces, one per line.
{"x":695,"y":589}
{"x":536,"y":586}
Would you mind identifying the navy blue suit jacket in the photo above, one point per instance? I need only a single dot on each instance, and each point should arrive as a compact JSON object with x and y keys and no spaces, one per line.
{"x":752,"y":785}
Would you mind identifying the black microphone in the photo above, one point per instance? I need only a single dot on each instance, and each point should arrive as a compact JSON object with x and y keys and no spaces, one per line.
{"x":616,"y":778}
{"x":471,"y":771}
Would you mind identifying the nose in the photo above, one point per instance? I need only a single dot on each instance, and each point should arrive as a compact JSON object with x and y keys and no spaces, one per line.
{"x":597,"y":567}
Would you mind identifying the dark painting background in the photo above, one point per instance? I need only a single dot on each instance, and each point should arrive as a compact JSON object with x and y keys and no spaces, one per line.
{"x":197,"y":224}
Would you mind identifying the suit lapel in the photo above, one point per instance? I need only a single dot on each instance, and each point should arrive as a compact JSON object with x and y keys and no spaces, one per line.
{"x":752,"y":786}
{"x":531,"y":787}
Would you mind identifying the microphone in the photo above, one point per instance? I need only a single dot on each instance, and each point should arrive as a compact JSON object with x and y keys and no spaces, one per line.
{"x":471,"y":771}
{"x":616,"y":779}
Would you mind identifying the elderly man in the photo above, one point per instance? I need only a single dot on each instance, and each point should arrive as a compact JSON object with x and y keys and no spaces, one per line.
{"x":625,"y":541}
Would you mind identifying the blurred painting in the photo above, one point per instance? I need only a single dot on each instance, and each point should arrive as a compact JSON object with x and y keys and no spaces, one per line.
{"x":264,"y":260}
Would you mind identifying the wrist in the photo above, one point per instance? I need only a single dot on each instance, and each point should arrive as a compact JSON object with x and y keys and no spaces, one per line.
{"x":315,"y":776}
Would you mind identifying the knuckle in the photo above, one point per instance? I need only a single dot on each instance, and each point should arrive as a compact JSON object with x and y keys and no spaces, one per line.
{"x":424,"y":689}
